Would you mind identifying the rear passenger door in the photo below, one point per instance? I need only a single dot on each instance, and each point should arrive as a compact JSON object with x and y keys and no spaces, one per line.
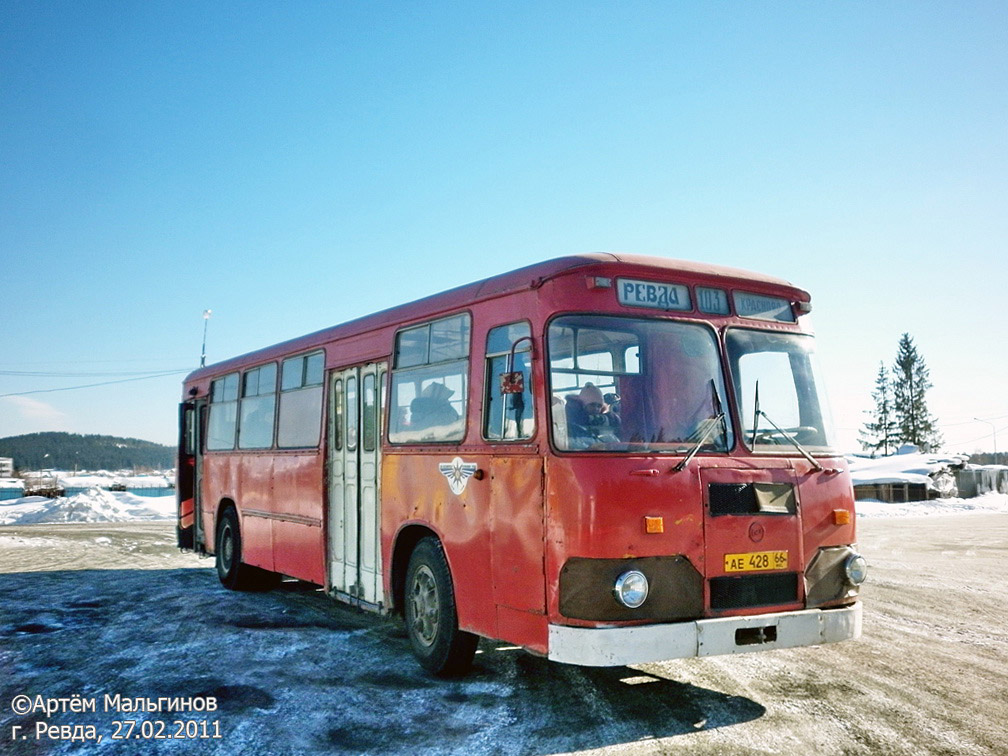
{"x":354,"y":451}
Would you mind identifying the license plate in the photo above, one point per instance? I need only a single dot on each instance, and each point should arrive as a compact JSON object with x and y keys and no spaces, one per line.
{"x":756,"y":560}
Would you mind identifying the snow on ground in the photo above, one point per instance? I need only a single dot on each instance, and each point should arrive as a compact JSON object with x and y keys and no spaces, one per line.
{"x":985,"y":504}
{"x":93,"y":505}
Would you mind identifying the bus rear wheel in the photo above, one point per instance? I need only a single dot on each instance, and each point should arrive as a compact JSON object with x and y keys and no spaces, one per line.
{"x":431,"y":619}
{"x":228,"y":547}
{"x":232,"y":572}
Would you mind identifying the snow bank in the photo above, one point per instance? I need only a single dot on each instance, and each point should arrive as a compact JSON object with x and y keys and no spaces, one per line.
{"x":988,"y":503}
{"x":93,"y":505}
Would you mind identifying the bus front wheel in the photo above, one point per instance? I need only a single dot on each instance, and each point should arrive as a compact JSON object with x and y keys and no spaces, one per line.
{"x":431,"y":619}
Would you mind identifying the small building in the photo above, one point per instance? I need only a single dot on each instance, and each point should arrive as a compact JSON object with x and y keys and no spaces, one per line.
{"x":6,"y":467}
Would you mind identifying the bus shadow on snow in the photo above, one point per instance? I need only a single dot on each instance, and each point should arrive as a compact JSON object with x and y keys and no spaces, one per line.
{"x":272,"y":656}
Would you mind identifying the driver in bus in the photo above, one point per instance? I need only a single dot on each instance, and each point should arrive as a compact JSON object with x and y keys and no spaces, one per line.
{"x":589,"y":419}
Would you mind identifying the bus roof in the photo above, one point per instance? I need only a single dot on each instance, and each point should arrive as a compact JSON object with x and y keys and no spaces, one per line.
{"x":521,"y":279}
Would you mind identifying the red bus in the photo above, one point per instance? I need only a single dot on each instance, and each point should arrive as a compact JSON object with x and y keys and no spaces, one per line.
{"x":603,"y":459}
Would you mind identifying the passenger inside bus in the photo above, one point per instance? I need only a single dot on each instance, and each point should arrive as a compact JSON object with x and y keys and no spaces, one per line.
{"x":654,"y":385}
{"x":590,"y":419}
{"x":432,"y":407}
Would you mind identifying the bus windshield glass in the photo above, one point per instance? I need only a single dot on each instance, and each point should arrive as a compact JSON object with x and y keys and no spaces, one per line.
{"x":776,"y":373}
{"x":631,"y":385}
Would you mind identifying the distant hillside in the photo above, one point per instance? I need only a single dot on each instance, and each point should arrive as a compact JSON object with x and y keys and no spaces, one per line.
{"x":67,"y":451}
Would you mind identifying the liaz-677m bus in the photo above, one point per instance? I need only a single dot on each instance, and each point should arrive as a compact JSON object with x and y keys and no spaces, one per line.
{"x":603,"y":459}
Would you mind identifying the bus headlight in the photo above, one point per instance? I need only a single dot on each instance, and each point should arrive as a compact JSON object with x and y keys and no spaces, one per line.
{"x":631,"y":589}
{"x":856,"y":569}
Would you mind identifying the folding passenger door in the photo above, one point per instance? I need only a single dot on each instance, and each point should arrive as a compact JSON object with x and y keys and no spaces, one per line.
{"x":192,"y":417}
{"x":354,"y":525}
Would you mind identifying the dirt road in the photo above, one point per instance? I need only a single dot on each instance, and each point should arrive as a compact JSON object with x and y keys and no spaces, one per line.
{"x":100,"y":610}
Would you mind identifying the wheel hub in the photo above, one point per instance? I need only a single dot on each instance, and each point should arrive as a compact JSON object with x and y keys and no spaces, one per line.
{"x":227,"y":547}
{"x":424,"y":605}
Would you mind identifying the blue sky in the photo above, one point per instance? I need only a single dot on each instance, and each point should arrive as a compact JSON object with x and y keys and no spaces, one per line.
{"x":292,"y":166}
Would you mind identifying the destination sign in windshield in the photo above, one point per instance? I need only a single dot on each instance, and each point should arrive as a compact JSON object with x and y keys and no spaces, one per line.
{"x":659,"y":296}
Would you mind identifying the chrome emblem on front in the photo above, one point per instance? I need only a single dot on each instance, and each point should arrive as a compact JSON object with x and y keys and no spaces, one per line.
{"x":457,"y":473}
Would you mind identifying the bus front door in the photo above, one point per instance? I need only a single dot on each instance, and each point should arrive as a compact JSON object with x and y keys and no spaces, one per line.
{"x":356,"y":415}
{"x":189,"y":476}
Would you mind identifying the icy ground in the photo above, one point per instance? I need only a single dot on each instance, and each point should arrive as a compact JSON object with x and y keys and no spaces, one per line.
{"x":98,"y":601}
{"x":96,"y":609}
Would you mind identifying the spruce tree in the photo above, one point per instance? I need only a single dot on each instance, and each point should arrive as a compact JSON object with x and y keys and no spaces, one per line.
{"x":881,"y":432}
{"x":910,"y":384}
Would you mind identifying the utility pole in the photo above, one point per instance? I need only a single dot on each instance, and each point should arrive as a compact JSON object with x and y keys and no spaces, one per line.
{"x":206,"y":322}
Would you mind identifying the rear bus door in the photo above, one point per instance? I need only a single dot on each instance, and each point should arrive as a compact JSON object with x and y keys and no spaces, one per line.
{"x":354,"y":525}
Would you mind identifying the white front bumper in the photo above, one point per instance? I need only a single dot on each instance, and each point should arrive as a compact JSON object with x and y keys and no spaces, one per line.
{"x":613,"y":646}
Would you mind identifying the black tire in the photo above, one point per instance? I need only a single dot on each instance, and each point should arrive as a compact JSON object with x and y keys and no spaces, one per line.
{"x":228,"y":547}
{"x":233,"y":573}
{"x":431,"y":619}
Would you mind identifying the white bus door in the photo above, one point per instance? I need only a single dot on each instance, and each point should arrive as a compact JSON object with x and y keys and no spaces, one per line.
{"x":356,"y":416}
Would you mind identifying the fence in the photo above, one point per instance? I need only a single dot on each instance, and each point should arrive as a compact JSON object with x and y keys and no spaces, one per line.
{"x":892,"y":492}
{"x":980,"y":480}
{"x":139,"y":491}
{"x":6,"y":494}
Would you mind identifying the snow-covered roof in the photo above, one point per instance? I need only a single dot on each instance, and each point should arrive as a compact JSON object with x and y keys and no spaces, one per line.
{"x":913,"y":467}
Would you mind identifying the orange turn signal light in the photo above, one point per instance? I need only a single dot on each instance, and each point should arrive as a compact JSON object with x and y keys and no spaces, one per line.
{"x":654,"y":524}
{"x":841,"y":517}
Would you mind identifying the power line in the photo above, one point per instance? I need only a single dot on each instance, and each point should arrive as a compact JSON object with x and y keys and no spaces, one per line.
{"x":93,"y":385}
{"x":99,"y":374}
{"x":95,"y":362}
{"x":970,"y":422}
{"x":973,"y":440}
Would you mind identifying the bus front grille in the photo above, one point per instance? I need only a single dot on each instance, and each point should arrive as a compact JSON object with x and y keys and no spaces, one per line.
{"x":753,"y":590}
{"x":751,"y":499}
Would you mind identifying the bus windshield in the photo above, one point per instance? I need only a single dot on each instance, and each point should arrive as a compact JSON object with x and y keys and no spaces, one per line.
{"x":623,"y":384}
{"x":776,"y":374}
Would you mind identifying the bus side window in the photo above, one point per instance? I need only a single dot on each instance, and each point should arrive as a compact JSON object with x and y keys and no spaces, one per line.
{"x":223,"y":413}
{"x":300,"y":417}
{"x":508,"y":416}
{"x":430,"y":382}
{"x":257,"y":408}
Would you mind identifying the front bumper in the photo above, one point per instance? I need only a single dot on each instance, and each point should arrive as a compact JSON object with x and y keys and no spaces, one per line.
{"x":638,"y":644}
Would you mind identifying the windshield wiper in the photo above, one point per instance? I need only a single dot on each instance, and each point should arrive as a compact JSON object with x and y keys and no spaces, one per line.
{"x":711,"y":423}
{"x":788,"y":436}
